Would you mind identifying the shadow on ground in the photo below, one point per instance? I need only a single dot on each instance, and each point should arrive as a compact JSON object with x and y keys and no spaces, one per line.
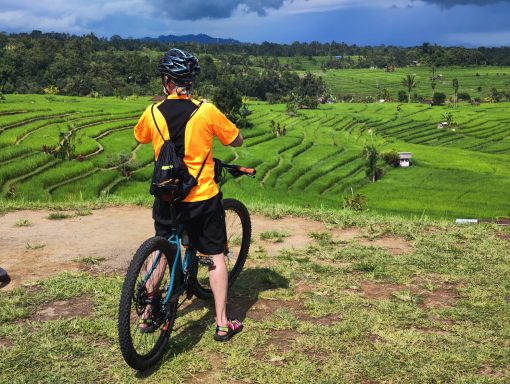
{"x":242,"y":296}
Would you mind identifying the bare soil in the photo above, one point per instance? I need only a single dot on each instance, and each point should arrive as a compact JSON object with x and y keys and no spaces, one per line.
{"x":81,"y":306}
{"x":442,"y":296}
{"x":46,"y":247}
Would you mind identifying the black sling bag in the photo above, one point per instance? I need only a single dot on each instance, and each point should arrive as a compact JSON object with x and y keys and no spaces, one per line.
{"x":171,"y":180}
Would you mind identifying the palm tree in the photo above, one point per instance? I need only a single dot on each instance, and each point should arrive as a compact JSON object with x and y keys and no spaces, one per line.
{"x":455,"y":90}
{"x":409,"y":82}
{"x":433,"y":80}
{"x":371,"y":154}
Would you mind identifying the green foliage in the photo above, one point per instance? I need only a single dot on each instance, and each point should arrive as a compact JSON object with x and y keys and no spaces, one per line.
{"x":372,"y":155}
{"x":292,"y":107}
{"x":391,"y":158}
{"x":59,"y":216}
{"x":464,"y":96}
{"x":402,"y":96}
{"x":409,"y":82}
{"x":51,"y":90}
{"x":228,"y":99}
{"x":311,"y":87}
{"x":274,"y":236}
{"x":384,"y":94}
{"x":439,"y":98}
{"x":356,"y":202}
{"x":65,"y":150}
{"x":455,"y":84}
{"x":448,"y":118}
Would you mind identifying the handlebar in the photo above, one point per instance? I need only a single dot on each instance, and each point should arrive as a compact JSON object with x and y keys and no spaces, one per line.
{"x":238,"y":170}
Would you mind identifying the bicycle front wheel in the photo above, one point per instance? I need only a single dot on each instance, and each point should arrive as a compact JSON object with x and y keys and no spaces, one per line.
{"x":238,"y":230}
{"x":145,"y":321}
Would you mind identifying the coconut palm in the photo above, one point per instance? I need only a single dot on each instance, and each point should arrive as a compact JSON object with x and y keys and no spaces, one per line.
{"x":455,"y":90}
{"x":433,"y":80}
{"x":409,"y":82}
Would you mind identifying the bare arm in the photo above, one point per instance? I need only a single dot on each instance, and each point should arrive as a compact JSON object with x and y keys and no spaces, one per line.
{"x":238,"y":141}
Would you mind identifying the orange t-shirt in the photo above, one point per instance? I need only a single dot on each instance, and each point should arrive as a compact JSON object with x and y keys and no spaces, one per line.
{"x":207,"y":122}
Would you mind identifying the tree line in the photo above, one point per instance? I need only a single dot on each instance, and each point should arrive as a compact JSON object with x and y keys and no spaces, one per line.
{"x":66,"y":64}
{"x":56,"y":63}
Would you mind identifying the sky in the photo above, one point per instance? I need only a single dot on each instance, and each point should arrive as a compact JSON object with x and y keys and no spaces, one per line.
{"x":469,"y":23}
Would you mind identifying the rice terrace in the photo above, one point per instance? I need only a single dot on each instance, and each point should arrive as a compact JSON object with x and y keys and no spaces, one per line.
{"x":458,"y":171}
{"x":357,"y":271}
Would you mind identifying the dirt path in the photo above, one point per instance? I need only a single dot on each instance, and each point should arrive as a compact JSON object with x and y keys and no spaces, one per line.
{"x":34,"y":247}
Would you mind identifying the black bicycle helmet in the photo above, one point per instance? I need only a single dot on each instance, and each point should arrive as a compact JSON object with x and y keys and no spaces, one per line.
{"x":180,"y":66}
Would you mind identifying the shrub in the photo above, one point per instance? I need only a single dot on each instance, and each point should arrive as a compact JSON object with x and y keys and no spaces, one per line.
{"x":355,"y":202}
{"x":291,"y":108}
{"x":402,"y":96}
{"x":439,"y":98}
{"x":309,"y":102}
{"x":392,"y":158}
{"x":464,"y":96}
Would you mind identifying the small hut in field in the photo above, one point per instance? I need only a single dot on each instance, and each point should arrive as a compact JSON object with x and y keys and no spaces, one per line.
{"x":405,"y":159}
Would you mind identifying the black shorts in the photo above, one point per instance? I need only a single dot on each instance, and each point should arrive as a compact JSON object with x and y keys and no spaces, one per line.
{"x":204,"y":222}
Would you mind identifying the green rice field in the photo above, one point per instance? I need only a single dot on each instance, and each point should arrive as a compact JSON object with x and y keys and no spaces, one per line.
{"x":460,"y":170}
{"x":476,"y":81}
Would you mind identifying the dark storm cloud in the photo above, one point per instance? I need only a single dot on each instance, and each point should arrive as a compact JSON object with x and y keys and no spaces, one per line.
{"x":219,"y":9}
{"x":453,"y":3}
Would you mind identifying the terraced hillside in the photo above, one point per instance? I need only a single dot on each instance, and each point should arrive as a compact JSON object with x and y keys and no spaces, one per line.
{"x":476,"y":81}
{"x":459,"y":170}
{"x":97,"y":130}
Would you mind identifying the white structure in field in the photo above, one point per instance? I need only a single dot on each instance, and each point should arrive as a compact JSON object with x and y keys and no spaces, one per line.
{"x":405,"y":159}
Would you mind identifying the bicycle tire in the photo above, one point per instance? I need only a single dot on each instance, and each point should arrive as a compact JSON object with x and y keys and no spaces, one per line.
{"x":128,"y":329}
{"x":236,"y":214}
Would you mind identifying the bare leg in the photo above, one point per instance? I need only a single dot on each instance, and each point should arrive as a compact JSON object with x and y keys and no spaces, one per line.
{"x":157,"y":273}
{"x":218,"y":278}
{"x":154,"y":280}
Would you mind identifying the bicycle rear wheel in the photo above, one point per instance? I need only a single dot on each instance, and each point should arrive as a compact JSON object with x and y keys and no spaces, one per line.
{"x":238,"y":228}
{"x":145,"y":322}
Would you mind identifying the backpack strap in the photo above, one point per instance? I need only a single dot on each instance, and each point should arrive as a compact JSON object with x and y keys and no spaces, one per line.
{"x":202,"y":167}
{"x":189,"y":118}
{"x":155,"y":122}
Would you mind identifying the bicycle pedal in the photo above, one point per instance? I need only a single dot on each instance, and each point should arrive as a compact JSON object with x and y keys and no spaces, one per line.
{"x":205,"y":260}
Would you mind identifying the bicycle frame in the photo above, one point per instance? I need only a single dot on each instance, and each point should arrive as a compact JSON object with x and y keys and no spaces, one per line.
{"x":182,"y":265}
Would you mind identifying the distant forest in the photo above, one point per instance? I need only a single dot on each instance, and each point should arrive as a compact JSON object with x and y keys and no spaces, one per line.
{"x":60,"y":63}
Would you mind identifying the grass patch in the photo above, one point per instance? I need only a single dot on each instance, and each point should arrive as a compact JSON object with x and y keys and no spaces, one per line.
{"x":59,"y":216}
{"x":323,"y":238}
{"x":90,"y":260}
{"x":85,"y":212}
{"x":274,"y":236}
{"x":33,"y":247}
{"x":23,"y":222}
{"x":438,"y":314}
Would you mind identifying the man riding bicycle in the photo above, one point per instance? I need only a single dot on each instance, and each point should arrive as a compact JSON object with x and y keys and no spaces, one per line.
{"x":191,"y":125}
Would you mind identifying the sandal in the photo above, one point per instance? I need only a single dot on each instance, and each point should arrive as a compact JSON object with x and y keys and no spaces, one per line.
{"x":233,"y":327}
{"x":148,"y":324}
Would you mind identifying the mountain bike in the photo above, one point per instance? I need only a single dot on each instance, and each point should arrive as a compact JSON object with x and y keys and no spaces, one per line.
{"x":165,"y":272}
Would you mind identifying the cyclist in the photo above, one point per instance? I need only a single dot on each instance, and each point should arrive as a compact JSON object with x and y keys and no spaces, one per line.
{"x":192,"y":131}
